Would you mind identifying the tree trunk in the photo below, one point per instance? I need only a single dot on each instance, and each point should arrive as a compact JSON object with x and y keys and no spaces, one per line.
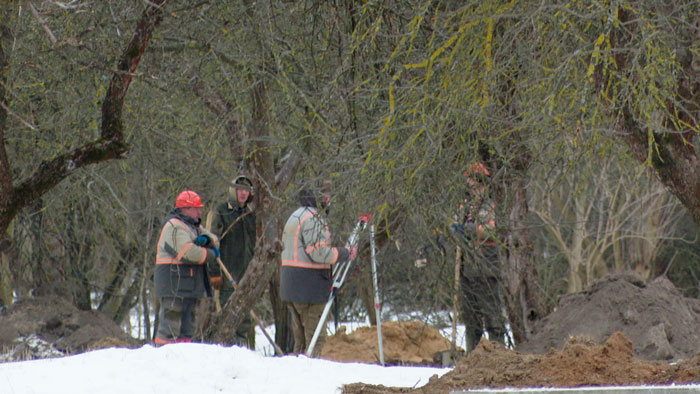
{"x":127,"y":302}
{"x":260,"y":271}
{"x":366,"y":291}
{"x":6,"y":281}
{"x":266,"y":261}
{"x":523,"y":296}
{"x":110,"y":295}
{"x":283,"y":329}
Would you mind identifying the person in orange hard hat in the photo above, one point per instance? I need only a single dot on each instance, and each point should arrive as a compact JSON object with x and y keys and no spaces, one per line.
{"x":181,"y":278}
{"x":481,"y":304}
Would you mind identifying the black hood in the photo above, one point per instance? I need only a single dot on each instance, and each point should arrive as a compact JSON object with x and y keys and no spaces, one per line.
{"x":177,"y":213}
{"x":307,"y":197}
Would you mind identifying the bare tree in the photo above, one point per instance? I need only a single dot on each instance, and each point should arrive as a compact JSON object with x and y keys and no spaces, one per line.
{"x":111,"y":144}
{"x":604,"y":217}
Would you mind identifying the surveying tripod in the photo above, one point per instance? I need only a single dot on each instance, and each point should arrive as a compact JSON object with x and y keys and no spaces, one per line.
{"x":340,"y":272}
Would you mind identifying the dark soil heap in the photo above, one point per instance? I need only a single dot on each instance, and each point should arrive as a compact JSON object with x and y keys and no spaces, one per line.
{"x":49,"y":326}
{"x":660,"y":322}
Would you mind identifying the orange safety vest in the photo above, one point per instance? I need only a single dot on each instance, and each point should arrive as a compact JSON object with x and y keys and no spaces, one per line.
{"x":296,"y":253}
{"x":163,"y":256}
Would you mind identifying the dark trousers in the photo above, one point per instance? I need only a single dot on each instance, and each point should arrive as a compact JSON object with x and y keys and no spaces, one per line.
{"x":176,"y":318}
{"x":481,"y":305}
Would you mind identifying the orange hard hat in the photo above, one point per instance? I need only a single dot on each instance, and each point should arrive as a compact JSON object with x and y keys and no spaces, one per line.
{"x":476,"y":169}
{"x":188,"y":198}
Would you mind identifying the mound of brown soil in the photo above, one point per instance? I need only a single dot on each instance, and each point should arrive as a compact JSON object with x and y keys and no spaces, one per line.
{"x":579,"y":363}
{"x":660,"y":322}
{"x":404,"y":343}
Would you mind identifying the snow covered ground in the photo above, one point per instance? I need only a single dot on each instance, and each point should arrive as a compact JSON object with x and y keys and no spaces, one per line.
{"x":200,"y":368}
{"x":190,"y":368}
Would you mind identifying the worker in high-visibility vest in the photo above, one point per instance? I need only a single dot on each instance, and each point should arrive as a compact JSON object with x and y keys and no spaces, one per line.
{"x":307,"y":257}
{"x":181,"y":277}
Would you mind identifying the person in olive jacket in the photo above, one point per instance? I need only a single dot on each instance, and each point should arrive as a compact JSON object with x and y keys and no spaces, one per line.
{"x":305,"y":275}
{"x":181,"y":278}
{"x":234,"y":222}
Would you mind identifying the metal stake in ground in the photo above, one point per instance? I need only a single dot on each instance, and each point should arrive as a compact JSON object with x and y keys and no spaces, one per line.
{"x":377,"y":305}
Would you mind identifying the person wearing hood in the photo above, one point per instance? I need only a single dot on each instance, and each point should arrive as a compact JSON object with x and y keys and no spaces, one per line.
{"x":233,"y":221}
{"x":307,"y":258}
{"x":181,"y":278}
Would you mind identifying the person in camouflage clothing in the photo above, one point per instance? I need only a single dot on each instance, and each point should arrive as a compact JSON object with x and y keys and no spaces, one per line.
{"x":481,"y":304}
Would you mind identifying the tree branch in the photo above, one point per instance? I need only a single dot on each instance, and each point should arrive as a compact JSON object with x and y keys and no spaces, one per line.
{"x":111,"y":144}
{"x":43,"y":23}
{"x":6,"y":192}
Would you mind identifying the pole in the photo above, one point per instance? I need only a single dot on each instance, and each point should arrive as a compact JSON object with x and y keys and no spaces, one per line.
{"x":457,"y":292}
{"x":217,"y":301}
{"x":336,"y":311}
{"x":252,"y":314}
{"x":377,"y":306}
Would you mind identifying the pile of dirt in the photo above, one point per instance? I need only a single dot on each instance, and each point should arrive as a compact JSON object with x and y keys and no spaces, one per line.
{"x":660,"y":322}
{"x":44,"y":327}
{"x":404,"y":343}
{"x":619,"y":332}
{"x":579,"y":363}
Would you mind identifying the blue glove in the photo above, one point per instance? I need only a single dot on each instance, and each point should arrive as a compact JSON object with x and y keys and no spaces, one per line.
{"x":216,"y":252}
{"x":202,"y":240}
